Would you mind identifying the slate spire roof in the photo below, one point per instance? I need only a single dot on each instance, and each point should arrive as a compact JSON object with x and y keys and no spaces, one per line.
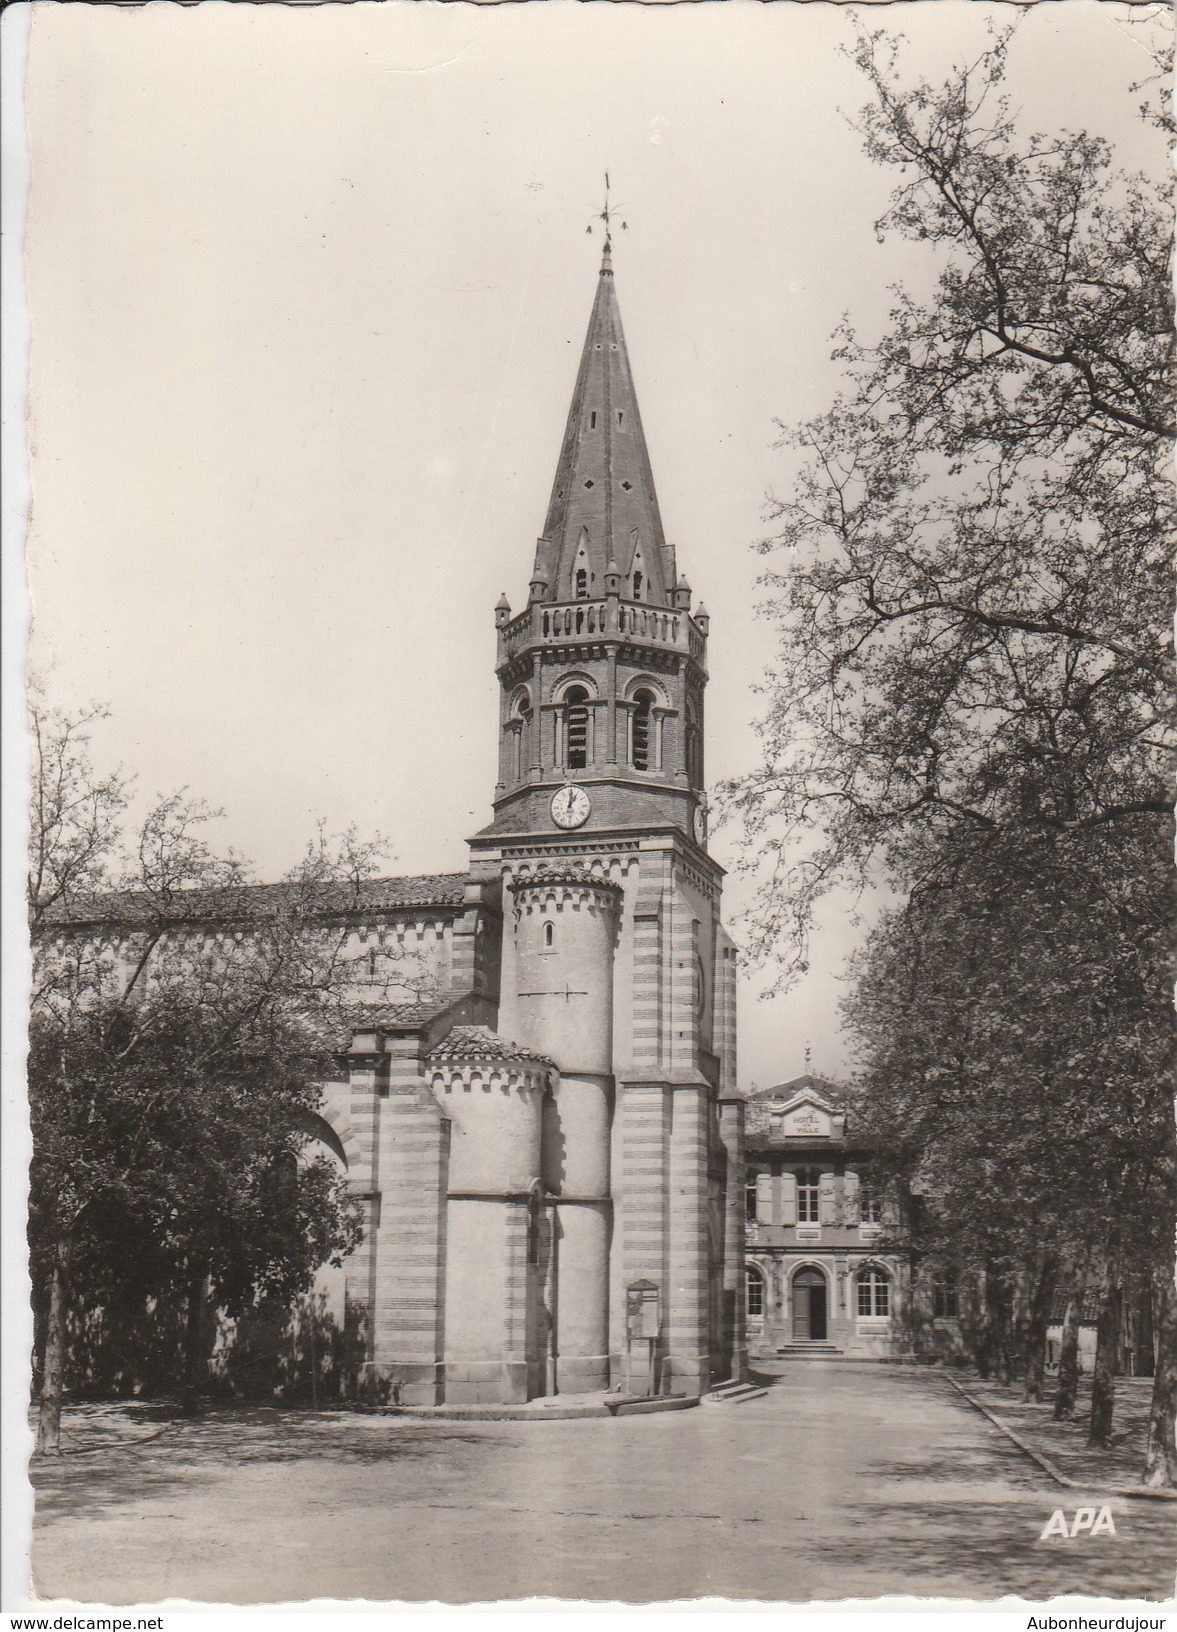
{"x":603,"y":507}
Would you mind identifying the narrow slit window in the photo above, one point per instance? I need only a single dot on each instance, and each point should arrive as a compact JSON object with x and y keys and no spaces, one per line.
{"x":592,"y":421}
{"x":549,"y":934}
{"x":637,"y":586}
{"x":581,"y":584}
{"x":620,"y":417}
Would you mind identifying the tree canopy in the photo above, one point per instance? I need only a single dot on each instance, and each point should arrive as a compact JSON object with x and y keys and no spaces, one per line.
{"x":973,"y":699}
{"x":973,"y":599}
{"x":181,"y":1028}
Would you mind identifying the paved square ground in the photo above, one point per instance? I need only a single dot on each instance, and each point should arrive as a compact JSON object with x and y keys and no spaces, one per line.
{"x":844,"y":1481}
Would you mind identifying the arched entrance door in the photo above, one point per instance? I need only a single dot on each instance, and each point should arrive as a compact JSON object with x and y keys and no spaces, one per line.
{"x":809,"y":1306}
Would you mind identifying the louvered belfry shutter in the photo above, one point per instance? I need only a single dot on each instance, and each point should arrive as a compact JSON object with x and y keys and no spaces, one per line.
{"x":850,"y":1199}
{"x":827,"y":1202}
{"x":764,"y":1198}
{"x":788,"y":1198}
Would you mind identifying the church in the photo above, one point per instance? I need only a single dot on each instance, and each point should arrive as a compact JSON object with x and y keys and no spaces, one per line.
{"x":549,"y":1152}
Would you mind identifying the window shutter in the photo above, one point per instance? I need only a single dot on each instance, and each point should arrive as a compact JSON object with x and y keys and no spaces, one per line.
{"x":850,"y":1199}
{"x":789,"y":1198}
{"x":764,"y":1198}
{"x":826,"y":1200}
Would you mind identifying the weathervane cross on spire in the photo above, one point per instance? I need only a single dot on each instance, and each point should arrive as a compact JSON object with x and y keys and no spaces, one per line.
{"x":608,"y":215}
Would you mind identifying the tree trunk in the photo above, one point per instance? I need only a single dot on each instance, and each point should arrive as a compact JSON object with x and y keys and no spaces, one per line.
{"x":983,"y":1328}
{"x":53,"y":1366}
{"x":1103,"y":1382}
{"x":194,"y":1357}
{"x":1160,"y":1459}
{"x":1038,"y":1319}
{"x":1144,"y":1333}
{"x":1068,"y":1359}
{"x":997,"y":1303}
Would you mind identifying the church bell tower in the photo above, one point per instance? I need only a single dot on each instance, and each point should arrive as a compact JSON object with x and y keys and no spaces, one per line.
{"x":615,"y":965}
{"x":602,"y":674}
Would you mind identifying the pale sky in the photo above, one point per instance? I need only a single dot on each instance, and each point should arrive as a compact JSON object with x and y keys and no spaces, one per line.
{"x":308,"y":288}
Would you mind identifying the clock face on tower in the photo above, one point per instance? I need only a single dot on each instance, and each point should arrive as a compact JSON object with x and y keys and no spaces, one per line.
{"x":570,"y":806}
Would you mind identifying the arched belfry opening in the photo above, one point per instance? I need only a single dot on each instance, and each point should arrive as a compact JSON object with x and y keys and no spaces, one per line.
{"x":576,"y":728}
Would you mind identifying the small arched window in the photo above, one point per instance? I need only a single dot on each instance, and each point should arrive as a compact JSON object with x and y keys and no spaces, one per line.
{"x":754,"y":1283}
{"x":642,"y":721}
{"x":576,"y":718}
{"x":874,"y":1293}
{"x":372,"y":963}
{"x":581,"y":584}
{"x":637,"y":586}
{"x":549,"y":935}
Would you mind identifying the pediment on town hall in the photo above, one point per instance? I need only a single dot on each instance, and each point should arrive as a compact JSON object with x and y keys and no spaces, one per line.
{"x":800,"y":1109}
{"x":805,"y":1117}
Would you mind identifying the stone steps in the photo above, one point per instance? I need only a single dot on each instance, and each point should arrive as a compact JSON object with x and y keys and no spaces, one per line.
{"x":809,"y":1351}
{"x":733,"y":1393}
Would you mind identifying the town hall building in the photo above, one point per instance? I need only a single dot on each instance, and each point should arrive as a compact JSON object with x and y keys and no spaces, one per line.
{"x":822,"y":1281}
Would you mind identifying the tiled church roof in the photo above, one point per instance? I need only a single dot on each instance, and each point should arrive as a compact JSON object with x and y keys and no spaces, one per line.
{"x":480,"y":1043}
{"x":397,"y":1016}
{"x":569,"y":872}
{"x":238,"y":903}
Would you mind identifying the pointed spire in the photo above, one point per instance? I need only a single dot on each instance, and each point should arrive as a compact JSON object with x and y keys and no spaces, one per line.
{"x":603,"y":507}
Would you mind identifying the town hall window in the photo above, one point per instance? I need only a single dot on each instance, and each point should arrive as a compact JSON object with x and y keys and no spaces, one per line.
{"x":754,"y":1282}
{"x":945,"y":1304}
{"x":874,"y":1293}
{"x":808,"y":1196}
